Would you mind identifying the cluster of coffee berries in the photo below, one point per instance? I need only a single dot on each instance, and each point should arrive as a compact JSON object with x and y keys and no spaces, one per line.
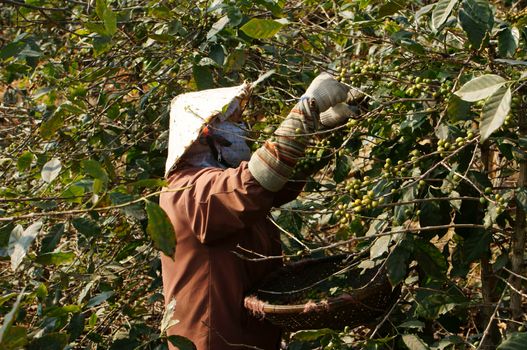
{"x":391,"y":170}
{"x":444,"y":146}
{"x":444,"y":91}
{"x":498,"y":199}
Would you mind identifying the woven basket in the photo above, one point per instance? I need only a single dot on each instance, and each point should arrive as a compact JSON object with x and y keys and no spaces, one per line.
{"x":368,"y":295}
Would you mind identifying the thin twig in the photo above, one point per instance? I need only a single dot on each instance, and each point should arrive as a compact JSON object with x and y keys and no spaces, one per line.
{"x":515,"y":274}
{"x":21,"y":4}
{"x":492,"y":318}
{"x":356,"y":239}
{"x":81,"y":211}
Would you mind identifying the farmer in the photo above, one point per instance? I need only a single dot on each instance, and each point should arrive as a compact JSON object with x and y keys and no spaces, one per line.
{"x":218,"y":198}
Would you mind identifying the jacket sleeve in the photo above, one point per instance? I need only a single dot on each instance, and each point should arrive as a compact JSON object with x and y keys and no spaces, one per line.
{"x":223,"y":202}
{"x":289,"y":192}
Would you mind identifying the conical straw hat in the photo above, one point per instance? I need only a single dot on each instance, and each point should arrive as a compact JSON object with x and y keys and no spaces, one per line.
{"x":190,"y":112}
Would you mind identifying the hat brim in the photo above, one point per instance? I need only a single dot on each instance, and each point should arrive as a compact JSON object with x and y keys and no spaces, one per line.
{"x":190,"y":112}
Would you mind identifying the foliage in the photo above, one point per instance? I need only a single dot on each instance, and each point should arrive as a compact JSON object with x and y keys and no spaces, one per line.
{"x":428,"y":180}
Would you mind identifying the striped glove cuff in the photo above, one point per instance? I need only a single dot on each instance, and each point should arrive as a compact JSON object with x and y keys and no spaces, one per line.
{"x":272,"y":164}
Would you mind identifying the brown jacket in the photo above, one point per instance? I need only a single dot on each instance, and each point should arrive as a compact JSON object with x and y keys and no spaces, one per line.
{"x":224,"y":211}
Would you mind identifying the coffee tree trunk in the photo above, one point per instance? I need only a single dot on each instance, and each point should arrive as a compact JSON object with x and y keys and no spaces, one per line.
{"x":518,"y":238}
{"x":488,"y":278}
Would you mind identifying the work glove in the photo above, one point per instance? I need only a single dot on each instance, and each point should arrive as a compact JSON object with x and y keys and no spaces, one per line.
{"x":340,"y":113}
{"x":272,"y":165}
{"x":326,"y":91}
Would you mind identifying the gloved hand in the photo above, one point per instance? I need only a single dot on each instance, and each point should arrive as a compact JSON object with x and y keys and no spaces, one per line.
{"x":326,"y":91}
{"x":336,"y":115}
{"x":341,"y":112}
{"x":272,"y":165}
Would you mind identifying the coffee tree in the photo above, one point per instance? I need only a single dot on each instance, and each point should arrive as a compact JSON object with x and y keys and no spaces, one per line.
{"x":428,"y":180}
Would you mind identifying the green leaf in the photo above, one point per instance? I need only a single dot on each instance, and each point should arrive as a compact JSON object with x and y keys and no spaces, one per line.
{"x":459,"y":109}
{"x":159,"y":11}
{"x":203,"y":77}
{"x":135,"y":210}
{"x":235,"y":61}
{"x":494,"y":112}
{"x":51,"y":170}
{"x":24,"y":161}
{"x":408,"y":195}
{"x":423,"y":10}
{"x":110,"y":21}
{"x":516,"y":341}
{"x":58,"y":258}
{"x":290,"y":221}
{"x":413,"y":342}
{"x":6,"y":297}
{"x":512,"y":63}
{"x":500,"y":262}
{"x":480,"y":87}
{"x":149,"y":183}
{"x":413,"y":46}
{"x":181,"y":343}
{"x":20,"y":241}
{"x":441,"y":12}
{"x":52,"y":238}
{"x":51,"y":125}
{"x":160,"y":229}
{"x":430,"y":259}
{"x":43,"y":92}
{"x":95,"y":28}
{"x":99,"y":299}
{"x":15,"y":338}
{"x":92,"y":321}
{"x":312,"y":335}
{"x":381,"y":246}
{"x":73,"y":194}
{"x":207,"y":61}
{"x":434,"y":213}
{"x":218,"y":26}
{"x":168,"y":317}
{"x":377,"y":225}
{"x":477,"y":20}
{"x":263,"y":77}
{"x":95,"y":170}
{"x":5,"y":232}
{"x":98,"y":186}
{"x":508,"y":41}
{"x":42,"y":291}
{"x":28,"y":51}
{"x":275,"y":6}
{"x":217,"y":53}
{"x":50,"y":341}
{"x":476,"y":245}
{"x":390,"y":7}
{"x":86,"y":226}
{"x":397,"y":264}
{"x":342,"y":168}
{"x":107,"y":16}
{"x":61,"y":311}
{"x":76,"y":325}
{"x":12,"y":49}
{"x":382,"y":243}
{"x":100,"y":8}
{"x":97,"y":73}
{"x":68,"y":108}
{"x":412,"y":324}
{"x":101,"y":44}
{"x":10,"y":317}
{"x":261,"y":28}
